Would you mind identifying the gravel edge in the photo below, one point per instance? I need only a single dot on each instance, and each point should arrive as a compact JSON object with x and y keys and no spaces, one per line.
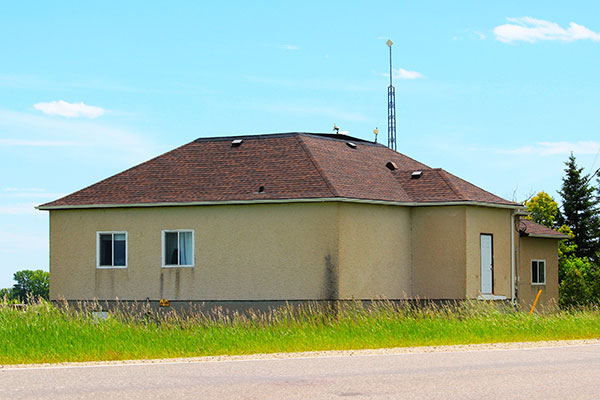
{"x":328,"y":353}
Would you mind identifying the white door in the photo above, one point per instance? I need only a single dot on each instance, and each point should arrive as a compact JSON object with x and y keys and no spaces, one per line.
{"x":486,"y":264}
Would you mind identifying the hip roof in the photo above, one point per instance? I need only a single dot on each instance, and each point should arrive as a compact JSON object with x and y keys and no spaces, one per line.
{"x":285,"y":166}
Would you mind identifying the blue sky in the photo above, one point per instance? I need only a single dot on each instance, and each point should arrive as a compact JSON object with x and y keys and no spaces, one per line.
{"x":497,"y":93}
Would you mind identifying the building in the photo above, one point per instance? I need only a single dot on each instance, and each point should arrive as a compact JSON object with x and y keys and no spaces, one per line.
{"x":262,"y":219}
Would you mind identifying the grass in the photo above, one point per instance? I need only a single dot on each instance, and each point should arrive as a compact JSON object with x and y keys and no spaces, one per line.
{"x":43,"y":333}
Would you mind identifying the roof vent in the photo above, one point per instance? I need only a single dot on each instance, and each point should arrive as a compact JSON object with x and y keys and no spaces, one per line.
{"x":391,"y":166}
{"x":416,"y":174}
{"x":351,"y":145}
{"x":236,"y":142}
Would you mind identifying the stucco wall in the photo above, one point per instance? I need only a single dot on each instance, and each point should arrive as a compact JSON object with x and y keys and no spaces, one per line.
{"x":538,"y":249}
{"x":497,"y":222}
{"x":295,"y":251}
{"x":438,"y":252}
{"x":284,"y":251}
{"x":374,"y":251}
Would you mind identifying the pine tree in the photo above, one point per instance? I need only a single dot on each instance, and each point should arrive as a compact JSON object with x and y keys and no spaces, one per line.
{"x":580,"y":211}
{"x":597,"y":203}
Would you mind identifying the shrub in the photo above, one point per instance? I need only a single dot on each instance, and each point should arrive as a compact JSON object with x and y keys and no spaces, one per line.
{"x":573,"y":290}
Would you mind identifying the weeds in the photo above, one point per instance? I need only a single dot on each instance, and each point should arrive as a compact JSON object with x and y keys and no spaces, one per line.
{"x":43,"y":332}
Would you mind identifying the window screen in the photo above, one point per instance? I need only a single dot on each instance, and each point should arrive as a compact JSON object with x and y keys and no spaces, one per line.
{"x":538,"y":272}
{"x":112,"y":248}
{"x":179,"y":248}
{"x":119,"y":249}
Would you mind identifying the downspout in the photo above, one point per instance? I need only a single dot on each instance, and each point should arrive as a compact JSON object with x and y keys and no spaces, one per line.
{"x":512,"y":257}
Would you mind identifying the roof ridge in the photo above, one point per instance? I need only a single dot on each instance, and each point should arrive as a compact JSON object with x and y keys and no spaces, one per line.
{"x":450,"y":184}
{"x":315,"y":164}
{"x":319,"y":135}
{"x":339,"y":137}
{"x":247,"y":137}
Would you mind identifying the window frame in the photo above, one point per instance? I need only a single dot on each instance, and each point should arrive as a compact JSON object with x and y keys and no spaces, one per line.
{"x":163,"y":248}
{"x":113,"y":233}
{"x":538,"y":271}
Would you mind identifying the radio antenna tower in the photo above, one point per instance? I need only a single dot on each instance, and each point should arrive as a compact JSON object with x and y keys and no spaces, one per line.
{"x":391,"y":106}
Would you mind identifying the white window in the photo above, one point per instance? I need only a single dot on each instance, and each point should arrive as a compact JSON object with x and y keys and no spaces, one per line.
{"x":111,"y":249}
{"x":538,"y":272}
{"x":178,"y":248}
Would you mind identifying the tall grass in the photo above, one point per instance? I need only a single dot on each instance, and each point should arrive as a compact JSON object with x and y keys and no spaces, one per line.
{"x":44,"y":333}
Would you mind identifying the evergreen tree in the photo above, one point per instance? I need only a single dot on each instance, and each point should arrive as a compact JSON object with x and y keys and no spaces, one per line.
{"x":580,"y":211}
{"x":597,"y":174}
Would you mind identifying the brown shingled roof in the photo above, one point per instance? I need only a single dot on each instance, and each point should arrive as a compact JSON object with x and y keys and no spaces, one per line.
{"x":287,"y":166}
{"x":436,"y":185}
{"x":533,"y":229}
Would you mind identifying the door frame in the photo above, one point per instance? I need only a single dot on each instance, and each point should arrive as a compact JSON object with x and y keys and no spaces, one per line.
{"x":491,"y":235}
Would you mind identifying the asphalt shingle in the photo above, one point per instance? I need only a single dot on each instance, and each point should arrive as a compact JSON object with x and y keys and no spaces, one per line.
{"x":530,"y":228}
{"x":286,"y":166}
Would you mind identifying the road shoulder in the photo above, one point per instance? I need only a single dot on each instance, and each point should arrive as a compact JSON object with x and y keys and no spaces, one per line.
{"x":318,"y":354}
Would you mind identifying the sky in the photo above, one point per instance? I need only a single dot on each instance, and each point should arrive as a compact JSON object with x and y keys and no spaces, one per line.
{"x":497,"y":93}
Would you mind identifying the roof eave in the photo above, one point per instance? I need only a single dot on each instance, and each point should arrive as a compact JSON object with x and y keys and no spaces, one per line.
{"x":45,"y":207}
{"x":545,"y":236}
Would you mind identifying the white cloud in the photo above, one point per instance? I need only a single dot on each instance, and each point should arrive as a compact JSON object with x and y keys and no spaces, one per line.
{"x":315,"y":84}
{"x":17,"y":242}
{"x":531,"y":30}
{"x":35,"y":143}
{"x":19,"y":209}
{"x":94,"y":139}
{"x":24,"y":81}
{"x":30,"y":193}
{"x":71,"y":110}
{"x":480,"y":35}
{"x":289,"y":47}
{"x":554,"y":148}
{"x":13,"y":189}
{"x":318,"y":111}
{"x":402,"y":73}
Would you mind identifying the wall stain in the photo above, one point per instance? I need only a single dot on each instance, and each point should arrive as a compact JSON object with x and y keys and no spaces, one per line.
{"x":162,"y":284}
{"x":97,"y":284}
{"x":177,"y":272}
{"x":112,"y":285}
{"x":331,"y":282}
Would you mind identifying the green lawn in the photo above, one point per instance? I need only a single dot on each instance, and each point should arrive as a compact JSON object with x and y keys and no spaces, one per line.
{"x":45,"y":333}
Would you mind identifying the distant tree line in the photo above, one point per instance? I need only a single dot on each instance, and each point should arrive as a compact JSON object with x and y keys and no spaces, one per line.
{"x":578,"y":217}
{"x":30,"y":286}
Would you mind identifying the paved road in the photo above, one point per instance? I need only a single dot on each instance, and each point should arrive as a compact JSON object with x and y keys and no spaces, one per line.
{"x":571,"y":372}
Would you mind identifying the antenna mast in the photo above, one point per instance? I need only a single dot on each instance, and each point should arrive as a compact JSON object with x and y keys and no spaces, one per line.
{"x":391,"y":106}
